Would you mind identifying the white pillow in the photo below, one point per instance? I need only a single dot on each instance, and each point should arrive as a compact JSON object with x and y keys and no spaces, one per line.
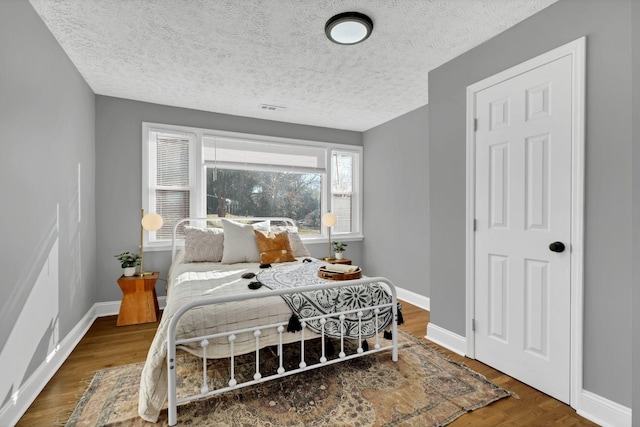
{"x":203,"y":244}
{"x":239,"y":243}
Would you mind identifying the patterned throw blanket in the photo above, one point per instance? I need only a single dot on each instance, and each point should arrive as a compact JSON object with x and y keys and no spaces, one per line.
{"x":330,"y":300}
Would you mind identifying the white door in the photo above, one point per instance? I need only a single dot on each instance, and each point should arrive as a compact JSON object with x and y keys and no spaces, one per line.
{"x":523,"y":218}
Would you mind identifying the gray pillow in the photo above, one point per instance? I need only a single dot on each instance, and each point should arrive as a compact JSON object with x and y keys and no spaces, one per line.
{"x":203,"y":244}
{"x":298,"y":248}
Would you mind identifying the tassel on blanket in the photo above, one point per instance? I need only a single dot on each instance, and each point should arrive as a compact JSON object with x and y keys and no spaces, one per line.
{"x":294,"y":324}
{"x":388,"y":334}
{"x":329,"y":348}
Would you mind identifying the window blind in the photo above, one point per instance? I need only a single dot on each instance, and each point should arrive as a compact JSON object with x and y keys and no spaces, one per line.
{"x":171,"y":189}
{"x":172,"y":161}
{"x":239,"y":153}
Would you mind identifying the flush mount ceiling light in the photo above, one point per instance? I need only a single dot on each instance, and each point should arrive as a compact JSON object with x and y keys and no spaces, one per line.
{"x":348,"y":28}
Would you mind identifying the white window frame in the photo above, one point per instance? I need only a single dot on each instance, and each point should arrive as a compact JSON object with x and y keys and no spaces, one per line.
{"x":149,"y":177}
{"x":197,"y":177}
{"x":356,"y":189}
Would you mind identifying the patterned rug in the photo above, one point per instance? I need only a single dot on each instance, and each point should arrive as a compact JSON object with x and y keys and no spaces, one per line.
{"x":424,"y":388}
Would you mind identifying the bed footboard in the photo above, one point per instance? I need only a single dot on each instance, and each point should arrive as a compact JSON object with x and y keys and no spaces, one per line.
{"x":258,"y":377}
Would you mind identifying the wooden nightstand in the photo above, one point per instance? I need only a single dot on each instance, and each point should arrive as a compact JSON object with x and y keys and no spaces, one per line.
{"x":139,"y":300}
{"x":344,"y":261}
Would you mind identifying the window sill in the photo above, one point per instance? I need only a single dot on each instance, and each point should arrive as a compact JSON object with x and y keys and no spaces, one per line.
{"x":160,"y":247}
{"x":338,"y":238}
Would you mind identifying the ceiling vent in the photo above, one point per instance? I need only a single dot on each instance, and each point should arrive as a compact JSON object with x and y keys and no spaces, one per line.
{"x":268,"y":107}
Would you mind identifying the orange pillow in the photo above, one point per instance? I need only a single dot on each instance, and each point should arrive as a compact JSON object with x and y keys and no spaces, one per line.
{"x":274,"y":247}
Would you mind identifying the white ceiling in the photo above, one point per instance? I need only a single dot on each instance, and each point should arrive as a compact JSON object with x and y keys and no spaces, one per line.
{"x":230,"y":56}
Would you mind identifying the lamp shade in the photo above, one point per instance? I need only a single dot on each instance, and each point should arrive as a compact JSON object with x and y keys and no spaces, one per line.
{"x":329,"y":219}
{"x":151,"y":222}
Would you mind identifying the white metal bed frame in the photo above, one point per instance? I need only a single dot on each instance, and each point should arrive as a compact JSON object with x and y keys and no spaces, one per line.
{"x":173,"y":342}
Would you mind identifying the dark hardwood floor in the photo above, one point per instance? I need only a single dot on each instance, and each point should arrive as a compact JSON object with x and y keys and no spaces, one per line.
{"x":106,"y":345}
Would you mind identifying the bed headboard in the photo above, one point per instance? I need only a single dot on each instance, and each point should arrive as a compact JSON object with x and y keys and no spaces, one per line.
{"x":202,"y":221}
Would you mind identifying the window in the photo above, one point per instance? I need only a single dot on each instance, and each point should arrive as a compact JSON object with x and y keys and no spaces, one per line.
{"x":170,"y":181}
{"x":344,"y":168}
{"x":196,"y":173}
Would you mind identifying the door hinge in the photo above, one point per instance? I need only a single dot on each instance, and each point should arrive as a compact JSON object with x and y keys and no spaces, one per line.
{"x":475,"y":125}
{"x":475,"y":225}
{"x":473,"y":325}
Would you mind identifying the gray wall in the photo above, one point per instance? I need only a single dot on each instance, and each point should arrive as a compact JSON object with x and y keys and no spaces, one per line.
{"x":396,"y":201}
{"x":608,"y":264}
{"x":635,"y":16}
{"x":46,"y":131}
{"x":118,"y":177}
{"x":49,"y":124}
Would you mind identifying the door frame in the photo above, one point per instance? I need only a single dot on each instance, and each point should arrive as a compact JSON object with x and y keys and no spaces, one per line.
{"x":577,"y":51}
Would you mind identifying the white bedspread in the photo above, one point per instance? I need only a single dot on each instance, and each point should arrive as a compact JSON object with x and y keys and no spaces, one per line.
{"x":192,"y":281}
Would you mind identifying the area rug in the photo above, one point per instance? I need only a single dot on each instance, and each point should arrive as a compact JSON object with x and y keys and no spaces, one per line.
{"x":424,"y":388}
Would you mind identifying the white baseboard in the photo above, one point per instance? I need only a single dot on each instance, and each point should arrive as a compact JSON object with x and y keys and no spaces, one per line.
{"x":593,"y":407}
{"x":10,"y":414}
{"x":14,"y":409}
{"x":111,"y":308}
{"x":447,"y":339}
{"x":603,"y":411}
{"x":413,"y":298}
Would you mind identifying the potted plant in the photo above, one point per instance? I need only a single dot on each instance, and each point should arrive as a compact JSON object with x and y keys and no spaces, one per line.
{"x":338,"y":248}
{"x":128,"y":261}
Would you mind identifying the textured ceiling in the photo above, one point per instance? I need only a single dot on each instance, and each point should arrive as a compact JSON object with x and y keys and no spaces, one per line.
{"x":230,"y":56}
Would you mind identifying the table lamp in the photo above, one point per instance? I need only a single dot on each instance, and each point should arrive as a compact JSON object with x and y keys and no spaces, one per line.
{"x":329,"y":220}
{"x":149,"y":222}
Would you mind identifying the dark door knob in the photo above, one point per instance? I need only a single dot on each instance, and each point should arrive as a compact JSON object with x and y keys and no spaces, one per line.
{"x":556,"y":247}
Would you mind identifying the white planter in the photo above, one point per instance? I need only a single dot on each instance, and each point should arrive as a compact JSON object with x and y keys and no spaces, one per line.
{"x":338,"y":255}
{"x":129,"y":271}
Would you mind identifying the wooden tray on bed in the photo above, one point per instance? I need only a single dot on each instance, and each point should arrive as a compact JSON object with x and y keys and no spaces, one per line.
{"x":330,"y":275}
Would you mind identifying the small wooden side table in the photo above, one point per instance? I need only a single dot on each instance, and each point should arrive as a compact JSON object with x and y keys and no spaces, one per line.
{"x":344,"y":261}
{"x":139,"y":300}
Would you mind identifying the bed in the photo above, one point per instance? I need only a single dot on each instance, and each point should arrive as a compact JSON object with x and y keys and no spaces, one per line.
{"x":225,"y":300}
